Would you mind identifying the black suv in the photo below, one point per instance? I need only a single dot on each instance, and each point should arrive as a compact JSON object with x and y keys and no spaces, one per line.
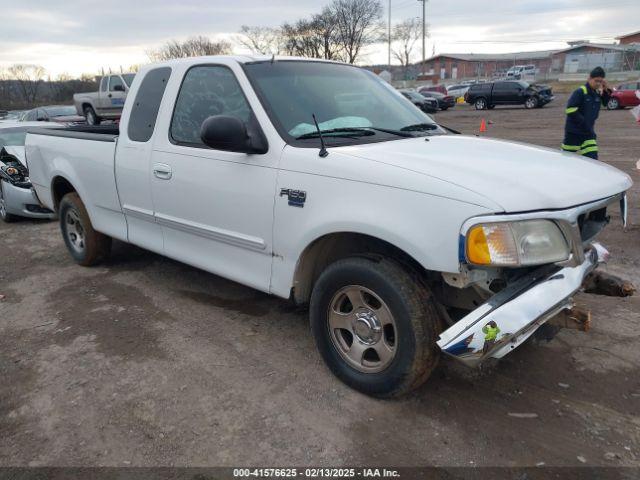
{"x":488,"y":95}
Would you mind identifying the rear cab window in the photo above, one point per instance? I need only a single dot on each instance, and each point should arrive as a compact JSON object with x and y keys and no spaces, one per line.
{"x":144,"y":112}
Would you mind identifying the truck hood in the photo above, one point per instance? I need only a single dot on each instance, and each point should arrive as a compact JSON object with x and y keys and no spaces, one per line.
{"x":17,"y":152}
{"x":516,"y":176}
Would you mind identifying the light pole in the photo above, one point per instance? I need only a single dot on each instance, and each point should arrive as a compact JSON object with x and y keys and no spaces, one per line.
{"x":424,"y":32}
{"x":389,"y":60}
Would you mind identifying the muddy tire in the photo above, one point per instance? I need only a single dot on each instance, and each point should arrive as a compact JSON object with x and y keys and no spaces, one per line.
{"x":86,"y":246}
{"x":4,"y":215}
{"x":375,"y":325}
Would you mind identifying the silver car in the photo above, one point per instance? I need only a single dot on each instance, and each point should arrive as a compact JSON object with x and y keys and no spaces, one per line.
{"x":17,"y":198}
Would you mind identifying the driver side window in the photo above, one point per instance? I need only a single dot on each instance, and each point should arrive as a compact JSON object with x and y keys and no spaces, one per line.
{"x":206,"y":91}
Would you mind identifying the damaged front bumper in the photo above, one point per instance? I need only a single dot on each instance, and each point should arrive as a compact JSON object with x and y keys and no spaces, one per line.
{"x":508,"y":318}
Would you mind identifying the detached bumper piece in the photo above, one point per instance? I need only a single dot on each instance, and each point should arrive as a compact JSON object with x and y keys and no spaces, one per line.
{"x":508,"y":318}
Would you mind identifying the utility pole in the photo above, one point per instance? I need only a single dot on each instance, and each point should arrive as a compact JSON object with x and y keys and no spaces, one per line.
{"x":389,"y":60}
{"x":424,"y":32}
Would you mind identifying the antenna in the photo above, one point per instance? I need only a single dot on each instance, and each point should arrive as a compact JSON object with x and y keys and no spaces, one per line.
{"x":323,"y":149}
{"x":273,"y":58}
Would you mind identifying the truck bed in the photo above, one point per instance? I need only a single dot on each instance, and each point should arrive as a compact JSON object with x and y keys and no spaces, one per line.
{"x":83,"y":156}
{"x":100,"y":133}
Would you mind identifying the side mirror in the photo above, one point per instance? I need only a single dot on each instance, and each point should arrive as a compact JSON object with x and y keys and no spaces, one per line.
{"x":118,"y":88}
{"x":227,"y":133}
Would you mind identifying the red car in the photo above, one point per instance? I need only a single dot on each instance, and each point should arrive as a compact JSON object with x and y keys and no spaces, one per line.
{"x":624,"y":96}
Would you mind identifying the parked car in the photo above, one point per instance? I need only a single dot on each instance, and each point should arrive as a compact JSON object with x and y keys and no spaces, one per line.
{"x":404,"y":240}
{"x":522,"y":72}
{"x":444,"y":101}
{"x":426,"y":104}
{"x":457,"y":91}
{"x":17,"y":198}
{"x":107,"y":102}
{"x":433,"y":88}
{"x":54,"y":113}
{"x":624,"y":95}
{"x":490,"y":94}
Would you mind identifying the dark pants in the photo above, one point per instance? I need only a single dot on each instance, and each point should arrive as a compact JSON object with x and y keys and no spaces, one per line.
{"x":581,"y":144}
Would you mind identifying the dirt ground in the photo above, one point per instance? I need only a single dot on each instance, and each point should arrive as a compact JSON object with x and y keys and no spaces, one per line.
{"x":145,"y":361}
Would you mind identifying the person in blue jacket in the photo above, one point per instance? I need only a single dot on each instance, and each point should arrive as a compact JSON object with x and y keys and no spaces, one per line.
{"x":582,"y":112}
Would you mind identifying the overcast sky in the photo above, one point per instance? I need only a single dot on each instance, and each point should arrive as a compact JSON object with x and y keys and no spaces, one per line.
{"x":76,"y":36}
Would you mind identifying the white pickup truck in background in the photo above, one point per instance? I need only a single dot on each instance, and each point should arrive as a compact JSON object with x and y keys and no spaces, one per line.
{"x":404,"y":240}
{"x":107,"y":102}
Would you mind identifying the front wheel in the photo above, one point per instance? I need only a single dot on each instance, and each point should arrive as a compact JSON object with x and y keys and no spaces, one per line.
{"x":531,"y":102}
{"x":4,"y":215}
{"x":86,"y":246}
{"x":375,"y":326}
{"x":613,"y":104}
{"x":91,"y":116}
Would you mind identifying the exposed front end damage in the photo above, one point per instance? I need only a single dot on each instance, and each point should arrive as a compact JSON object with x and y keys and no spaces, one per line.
{"x":508,"y":307}
{"x":510,"y":317}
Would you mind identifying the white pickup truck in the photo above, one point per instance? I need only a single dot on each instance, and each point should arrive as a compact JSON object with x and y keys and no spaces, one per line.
{"x":317,"y":182}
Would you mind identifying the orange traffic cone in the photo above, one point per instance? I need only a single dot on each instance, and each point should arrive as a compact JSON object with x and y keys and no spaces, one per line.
{"x":483,"y":126}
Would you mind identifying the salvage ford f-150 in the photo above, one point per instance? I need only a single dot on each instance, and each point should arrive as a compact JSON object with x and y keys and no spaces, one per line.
{"x":403,"y":239}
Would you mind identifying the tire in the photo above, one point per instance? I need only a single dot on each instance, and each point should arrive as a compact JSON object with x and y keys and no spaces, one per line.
{"x":480,"y":104}
{"x":91,"y":116}
{"x":396,"y":312}
{"x":86,"y":246}
{"x":531,"y":102}
{"x":4,"y":215}
{"x":613,"y":104}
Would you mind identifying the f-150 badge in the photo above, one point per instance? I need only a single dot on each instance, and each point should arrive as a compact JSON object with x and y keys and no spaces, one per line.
{"x":296,"y":197}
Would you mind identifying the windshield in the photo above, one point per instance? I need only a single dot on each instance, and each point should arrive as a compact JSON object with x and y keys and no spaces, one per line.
{"x":128,"y":78}
{"x":341,"y":97}
{"x":60,"y":111}
{"x":12,"y":137}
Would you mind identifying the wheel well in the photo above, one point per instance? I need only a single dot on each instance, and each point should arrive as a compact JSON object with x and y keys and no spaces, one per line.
{"x":85,"y":105}
{"x":59,"y":188}
{"x":332,"y":247}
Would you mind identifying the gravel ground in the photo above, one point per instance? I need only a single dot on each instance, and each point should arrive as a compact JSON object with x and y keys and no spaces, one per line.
{"x":144,"y":361}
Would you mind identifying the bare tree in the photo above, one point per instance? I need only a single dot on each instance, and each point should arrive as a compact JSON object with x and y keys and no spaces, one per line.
{"x":29,"y":78}
{"x":357,"y":24}
{"x":404,"y":37}
{"x":315,"y":37}
{"x":192,"y":47}
{"x":262,"y":40}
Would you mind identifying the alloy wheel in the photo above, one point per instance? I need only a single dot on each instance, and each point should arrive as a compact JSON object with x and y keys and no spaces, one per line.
{"x":362,"y":329}
{"x":75,"y":231}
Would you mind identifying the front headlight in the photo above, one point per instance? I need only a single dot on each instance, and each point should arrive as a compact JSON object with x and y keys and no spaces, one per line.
{"x":512,"y":244}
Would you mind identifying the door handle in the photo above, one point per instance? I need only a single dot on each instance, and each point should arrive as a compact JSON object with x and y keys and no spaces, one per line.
{"x":162,"y":171}
{"x":110,"y":95}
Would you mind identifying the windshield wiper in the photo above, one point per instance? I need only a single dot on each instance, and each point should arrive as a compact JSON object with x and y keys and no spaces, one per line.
{"x":419,"y":127}
{"x":337,"y":132}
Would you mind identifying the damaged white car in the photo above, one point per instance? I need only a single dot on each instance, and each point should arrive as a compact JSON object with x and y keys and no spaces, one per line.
{"x":403,"y":239}
{"x":17,"y":198}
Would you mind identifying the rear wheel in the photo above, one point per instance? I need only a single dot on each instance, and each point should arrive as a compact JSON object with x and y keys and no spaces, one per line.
{"x":613,"y":104}
{"x":91,"y":116}
{"x":531,"y":102}
{"x":480,"y":104}
{"x":6,"y":217}
{"x":86,"y":246}
{"x":375,"y":326}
